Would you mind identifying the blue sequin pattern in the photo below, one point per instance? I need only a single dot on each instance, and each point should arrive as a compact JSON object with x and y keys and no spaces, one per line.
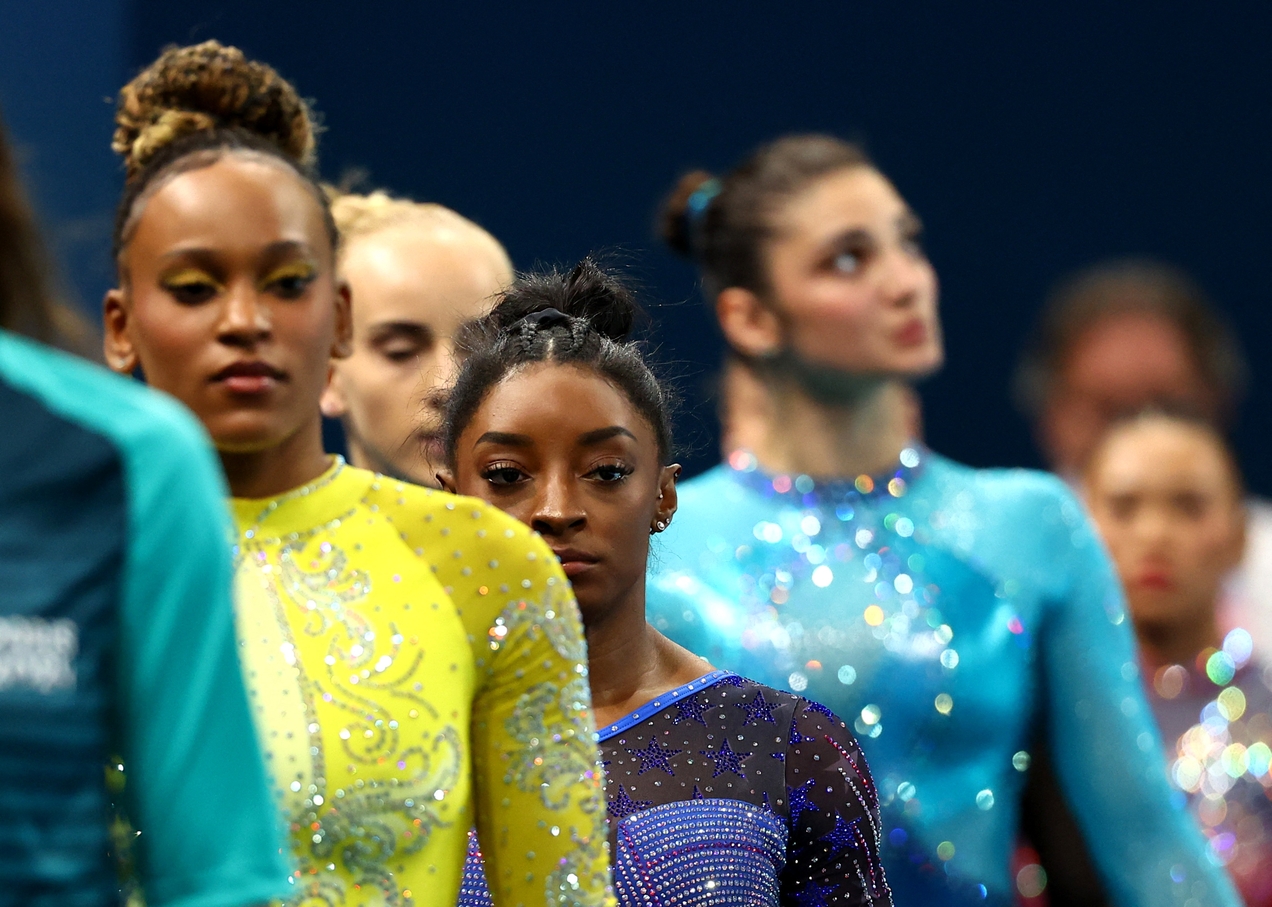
{"x":946,"y":613}
{"x":724,"y":792}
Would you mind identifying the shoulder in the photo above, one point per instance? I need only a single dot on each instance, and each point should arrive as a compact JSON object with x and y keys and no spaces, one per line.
{"x":445,"y":523}
{"x":155,"y":434}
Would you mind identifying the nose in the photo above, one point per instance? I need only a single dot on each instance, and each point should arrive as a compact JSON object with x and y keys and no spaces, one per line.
{"x":905,"y":277}
{"x":245,"y":318}
{"x":556,"y":511}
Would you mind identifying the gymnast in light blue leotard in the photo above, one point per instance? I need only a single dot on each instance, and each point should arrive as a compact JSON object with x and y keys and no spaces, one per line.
{"x":947,"y":613}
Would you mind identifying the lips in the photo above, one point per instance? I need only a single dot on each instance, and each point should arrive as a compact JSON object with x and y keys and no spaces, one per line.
{"x":574,"y":562}
{"x":912,"y":333}
{"x":1156,"y":580}
{"x":249,"y":377}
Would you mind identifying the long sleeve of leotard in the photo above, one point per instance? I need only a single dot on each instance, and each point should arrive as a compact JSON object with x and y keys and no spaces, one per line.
{"x":833,"y":848}
{"x":538,"y":795}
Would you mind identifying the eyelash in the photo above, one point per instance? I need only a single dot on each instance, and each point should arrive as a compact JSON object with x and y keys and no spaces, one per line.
{"x":493,"y":470}
{"x":201,"y":289}
{"x":622,"y":469}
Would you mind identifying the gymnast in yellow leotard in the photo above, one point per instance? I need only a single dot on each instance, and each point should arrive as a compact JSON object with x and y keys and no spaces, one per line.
{"x":415,"y":659}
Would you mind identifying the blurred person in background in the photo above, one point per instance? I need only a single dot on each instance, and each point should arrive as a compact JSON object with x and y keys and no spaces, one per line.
{"x":1122,"y":336}
{"x":947,"y":610}
{"x":416,"y":272}
{"x":116,"y":627}
{"x":1166,"y":495}
{"x":414,"y":658}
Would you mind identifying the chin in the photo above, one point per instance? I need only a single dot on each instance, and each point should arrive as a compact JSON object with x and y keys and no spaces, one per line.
{"x":236,"y":435}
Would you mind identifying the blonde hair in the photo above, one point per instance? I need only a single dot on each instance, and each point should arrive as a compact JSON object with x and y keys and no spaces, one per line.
{"x":363,"y":215}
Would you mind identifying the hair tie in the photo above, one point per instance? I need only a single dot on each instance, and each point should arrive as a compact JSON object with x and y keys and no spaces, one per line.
{"x":698,"y":203}
{"x":545,"y":318}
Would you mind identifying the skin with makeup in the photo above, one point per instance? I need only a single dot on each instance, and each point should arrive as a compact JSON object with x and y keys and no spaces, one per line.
{"x":414,"y":659}
{"x":557,"y":421}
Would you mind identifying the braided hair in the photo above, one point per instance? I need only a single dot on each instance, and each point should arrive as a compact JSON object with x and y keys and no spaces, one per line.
{"x":195,"y":104}
{"x":581,"y":318}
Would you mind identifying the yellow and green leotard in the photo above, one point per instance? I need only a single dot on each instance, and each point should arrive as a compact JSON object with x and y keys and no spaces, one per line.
{"x":416,"y":666}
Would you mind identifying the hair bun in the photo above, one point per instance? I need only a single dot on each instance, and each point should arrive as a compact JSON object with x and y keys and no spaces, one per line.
{"x":675,"y":221}
{"x":587,"y":291}
{"x":209,"y":86}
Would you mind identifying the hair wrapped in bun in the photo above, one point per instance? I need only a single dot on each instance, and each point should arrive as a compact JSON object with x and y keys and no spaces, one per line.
{"x":582,"y":318}
{"x":193,"y":105}
{"x":723,"y":223}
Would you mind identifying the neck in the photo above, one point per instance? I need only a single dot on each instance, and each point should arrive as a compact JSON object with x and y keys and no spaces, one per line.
{"x":790,"y":431}
{"x":267,"y":473}
{"x":1176,"y":643}
{"x":630,"y":663}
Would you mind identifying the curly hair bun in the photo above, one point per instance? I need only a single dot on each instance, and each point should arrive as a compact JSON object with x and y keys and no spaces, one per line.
{"x":588,"y":291}
{"x":203,"y":87}
{"x":675,"y":223}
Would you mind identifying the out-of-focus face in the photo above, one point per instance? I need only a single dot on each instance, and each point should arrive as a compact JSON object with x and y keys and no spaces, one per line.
{"x":230,"y":301}
{"x":851,"y":280}
{"x":1163,"y":496}
{"x":1121,"y":365}
{"x":564,"y":451}
{"x":413,"y":286}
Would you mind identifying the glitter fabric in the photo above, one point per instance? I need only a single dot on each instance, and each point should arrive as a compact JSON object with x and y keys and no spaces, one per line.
{"x":416,"y":665}
{"x":724,"y":792}
{"x":945,"y":612}
{"x":1216,"y":718}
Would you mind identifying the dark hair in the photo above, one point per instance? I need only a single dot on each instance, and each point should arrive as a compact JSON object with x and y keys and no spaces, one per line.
{"x":194,"y":104}
{"x":580,"y":318}
{"x":723,"y":224}
{"x":1131,"y":287}
{"x":24,"y":266}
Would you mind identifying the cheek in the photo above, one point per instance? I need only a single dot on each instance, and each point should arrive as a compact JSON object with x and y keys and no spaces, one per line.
{"x":165,"y":335}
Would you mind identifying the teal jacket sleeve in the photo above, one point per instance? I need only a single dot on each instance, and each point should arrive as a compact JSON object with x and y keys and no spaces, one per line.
{"x":210,"y":834}
{"x":1108,"y":754}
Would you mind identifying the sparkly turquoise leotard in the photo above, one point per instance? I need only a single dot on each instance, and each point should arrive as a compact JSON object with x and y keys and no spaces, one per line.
{"x":948,"y":613}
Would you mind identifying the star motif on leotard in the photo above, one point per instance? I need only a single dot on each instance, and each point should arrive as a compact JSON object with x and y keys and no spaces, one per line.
{"x":690,"y":709}
{"x":810,"y":706}
{"x":813,"y":895}
{"x":623,"y":806}
{"x":844,"y":835}
{"x":654,"y":756}
{"x":726,"y":760}
{"x":796,"y":737}
{"x":697,"y":794}
{"x":757,"y":710}
{"x":732,"y":680}
{"x":797,"y":801}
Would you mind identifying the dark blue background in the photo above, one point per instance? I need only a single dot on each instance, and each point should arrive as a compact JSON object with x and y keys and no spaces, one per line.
{"x":1032,"y":141}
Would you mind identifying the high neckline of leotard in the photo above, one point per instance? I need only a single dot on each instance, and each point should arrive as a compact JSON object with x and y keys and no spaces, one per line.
{"x":805,"y":489}
{"x":662,"y":701}
{"x":330,"y":497}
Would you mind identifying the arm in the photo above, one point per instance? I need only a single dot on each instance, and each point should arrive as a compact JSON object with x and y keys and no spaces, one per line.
{"x":1107,"y":751}
{"x":540,"y":807}
{"x":210,"y":834}
{"x":834,"y":821}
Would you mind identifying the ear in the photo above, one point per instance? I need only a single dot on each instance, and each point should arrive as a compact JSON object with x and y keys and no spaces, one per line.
{"x":117,"y":346}
{"x":750,"y":327}
{"x":342,"y":345}
{"x":446,"y":479}
{"x":667,"y":498}
{"x":333,"y":402}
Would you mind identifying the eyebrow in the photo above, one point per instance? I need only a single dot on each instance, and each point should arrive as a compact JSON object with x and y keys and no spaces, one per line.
{"x":604,"y":434}
{"x":504,"y":437}
{"x":586,"y":439}
{"x":273,"y":250}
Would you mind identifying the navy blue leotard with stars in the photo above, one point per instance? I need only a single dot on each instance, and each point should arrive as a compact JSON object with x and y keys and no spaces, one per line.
{"x":726,"y":792}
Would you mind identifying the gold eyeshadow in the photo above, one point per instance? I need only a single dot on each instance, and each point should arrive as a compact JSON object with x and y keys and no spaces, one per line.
{"x":187,"y":278}
{"x":296,"y":270}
